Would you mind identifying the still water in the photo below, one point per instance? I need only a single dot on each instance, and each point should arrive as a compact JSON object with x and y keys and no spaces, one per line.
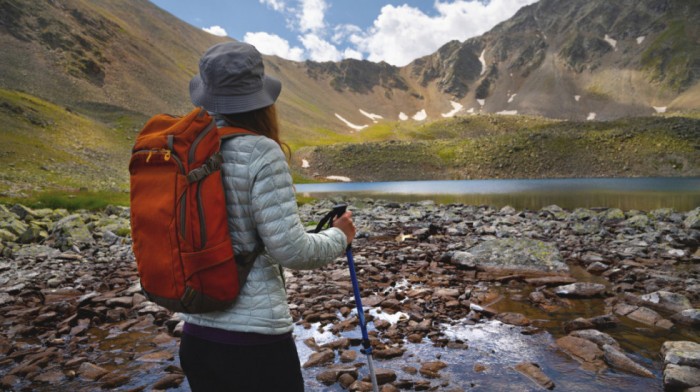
{"x":645,"y":194}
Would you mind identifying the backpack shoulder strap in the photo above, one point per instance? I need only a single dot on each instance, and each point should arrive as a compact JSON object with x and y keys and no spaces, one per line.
{"x":228,"y":132}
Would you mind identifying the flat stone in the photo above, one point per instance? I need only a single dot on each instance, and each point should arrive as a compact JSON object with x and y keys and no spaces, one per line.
{"x":50,"y":376}
{"x":348,"y":356}
{"x":684,"y":353}
{"x":431,"y":369}
{"x":679,"y":377}
{"x":597,"y":337}
{"x":160,"y":356}
{"x":689,"y":317}
{"x":320,"y":358}
{"x":91,"y":371}
{"x":535,"y":373}
{"x":384,"y":376}
{"x":581,"y":349}
{"x":645,"y":316}
{"x":666,"y":301}
{"x":114,"y":380}
{"x":580,"y":289}
{"x":514,"y":319}
{"x":617,"y":360}
{"x":169,"y":381}
{"x":389,"y":353}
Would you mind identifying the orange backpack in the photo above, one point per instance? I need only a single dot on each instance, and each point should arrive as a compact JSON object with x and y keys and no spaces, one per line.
{"x":179,"y":223}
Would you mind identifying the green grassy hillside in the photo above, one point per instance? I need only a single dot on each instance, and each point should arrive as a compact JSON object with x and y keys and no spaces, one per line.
{"x":45,"y":146}
{"x":492,"y":146}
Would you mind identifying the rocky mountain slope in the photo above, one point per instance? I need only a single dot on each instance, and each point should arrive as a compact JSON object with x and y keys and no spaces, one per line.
{"x":110,"y":64}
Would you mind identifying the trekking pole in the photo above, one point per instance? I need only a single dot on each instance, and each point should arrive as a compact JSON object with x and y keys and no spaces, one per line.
{"x":338,"y":211}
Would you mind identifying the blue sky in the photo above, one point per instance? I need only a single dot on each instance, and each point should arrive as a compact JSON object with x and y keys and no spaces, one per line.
{"x":395,"y":31}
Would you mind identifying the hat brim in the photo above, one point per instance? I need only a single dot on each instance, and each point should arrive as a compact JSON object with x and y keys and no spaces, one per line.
{"x":227,"y":104}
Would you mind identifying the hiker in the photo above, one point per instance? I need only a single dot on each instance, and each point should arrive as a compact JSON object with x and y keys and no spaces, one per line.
{"x":249,"y":346}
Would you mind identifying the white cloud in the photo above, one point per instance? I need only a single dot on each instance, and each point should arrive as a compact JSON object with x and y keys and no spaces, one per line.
{"x":216,"y":30}
{"x":320,"y":49}
{"x":274,"y":45}
{"x":311,"y":15}
{"x":401,"y":34}
{"x":277,"y":5}
{"x":342,"y":32}
{"x":352,"y":54}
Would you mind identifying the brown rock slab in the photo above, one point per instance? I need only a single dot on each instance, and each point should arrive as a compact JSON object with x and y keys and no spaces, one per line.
{"x":431,"y":369}
{"x":169,"y":381}
{"x":617,"y":360}
{"x":50,"y":376}
{"x":580,"y":289}
{"x":160,"y":356}
{"x":320,"y":358}
{"x":348,"y":356}
{"x":361,"y":386}
{"x":535,"y":373}
{"x":389,"y":353}
{"x":550,"y":280}
{"x":91,"y":371}
{"x":114,"y":380}
{"x":345,"y":380}
{"x":679,"y":377}
{"x":384,"y":376}
{"x":583,"y":351}
{"x":514,"y":319}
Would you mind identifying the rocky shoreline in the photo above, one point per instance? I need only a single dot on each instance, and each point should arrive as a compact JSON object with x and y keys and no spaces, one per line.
{"x":73,"y":315}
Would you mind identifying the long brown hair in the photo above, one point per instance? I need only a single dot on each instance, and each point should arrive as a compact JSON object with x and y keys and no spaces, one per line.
{"x":262,"y":121}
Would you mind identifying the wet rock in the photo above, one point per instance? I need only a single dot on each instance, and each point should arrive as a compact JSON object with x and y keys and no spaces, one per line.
{"x":689,"y":317}
{"x":680,"y":377}
{"x":348,"y":356}
{"x":159,"y":356}
{"x":514,"y":319}
{"x":361,"y":386}
{"x":581,"y":289}
{"x":550,"y":280}
{"x":384,"y":376}
{"x":535,"y":373}
{"x":664,"y":301}
{"x":684,"y":353}
{"x":649,"y":317}
{"x":346,"y":380}
{"x":597,"y":337}
{"x":333,"y":373}
{"x":431,"y":369}
{"x":320,"y":358}
{"x":617,"y":360}
{"x":169,"y":381}
{"x":389,"y":353}
{"x":597,"y":267}
{"x":91,"y":371}
{"x":583,"y":350}
{"x":114,"y":380}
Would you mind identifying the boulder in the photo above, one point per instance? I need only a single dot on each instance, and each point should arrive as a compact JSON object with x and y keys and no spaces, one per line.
{"x":597,"y":337}
{"x":677,"y":377}
{"x":689,"y":317}
{"x":666,"y":301}
{"x":72,"y":231}
{"x":692,"y":220}
{"x":684,"y":353}
{"x":510,"y":256}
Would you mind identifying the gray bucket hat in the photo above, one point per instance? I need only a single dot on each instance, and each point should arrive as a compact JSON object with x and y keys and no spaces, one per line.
{"x":232,"y":79}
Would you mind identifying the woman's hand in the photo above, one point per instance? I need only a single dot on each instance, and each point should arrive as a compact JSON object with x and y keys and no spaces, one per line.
{"x":344,"y":223}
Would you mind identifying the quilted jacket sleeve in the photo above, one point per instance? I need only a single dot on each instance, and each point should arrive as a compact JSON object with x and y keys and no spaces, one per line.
{"x":276,"y":217}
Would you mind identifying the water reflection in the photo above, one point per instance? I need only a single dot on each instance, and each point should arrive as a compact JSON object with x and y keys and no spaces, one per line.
{"x":625,"y":193}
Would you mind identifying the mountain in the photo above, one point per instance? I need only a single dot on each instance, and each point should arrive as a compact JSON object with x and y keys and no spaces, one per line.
{"x":78,"y":78}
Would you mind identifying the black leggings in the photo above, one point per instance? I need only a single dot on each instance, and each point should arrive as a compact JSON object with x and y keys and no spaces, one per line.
{"x":214,"y":367}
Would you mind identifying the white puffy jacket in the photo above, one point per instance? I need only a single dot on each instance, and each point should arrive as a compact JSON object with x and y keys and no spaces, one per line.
{"x":262,"y":206}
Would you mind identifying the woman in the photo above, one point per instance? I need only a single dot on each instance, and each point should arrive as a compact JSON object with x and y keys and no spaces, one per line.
{"x":249,"y":347}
